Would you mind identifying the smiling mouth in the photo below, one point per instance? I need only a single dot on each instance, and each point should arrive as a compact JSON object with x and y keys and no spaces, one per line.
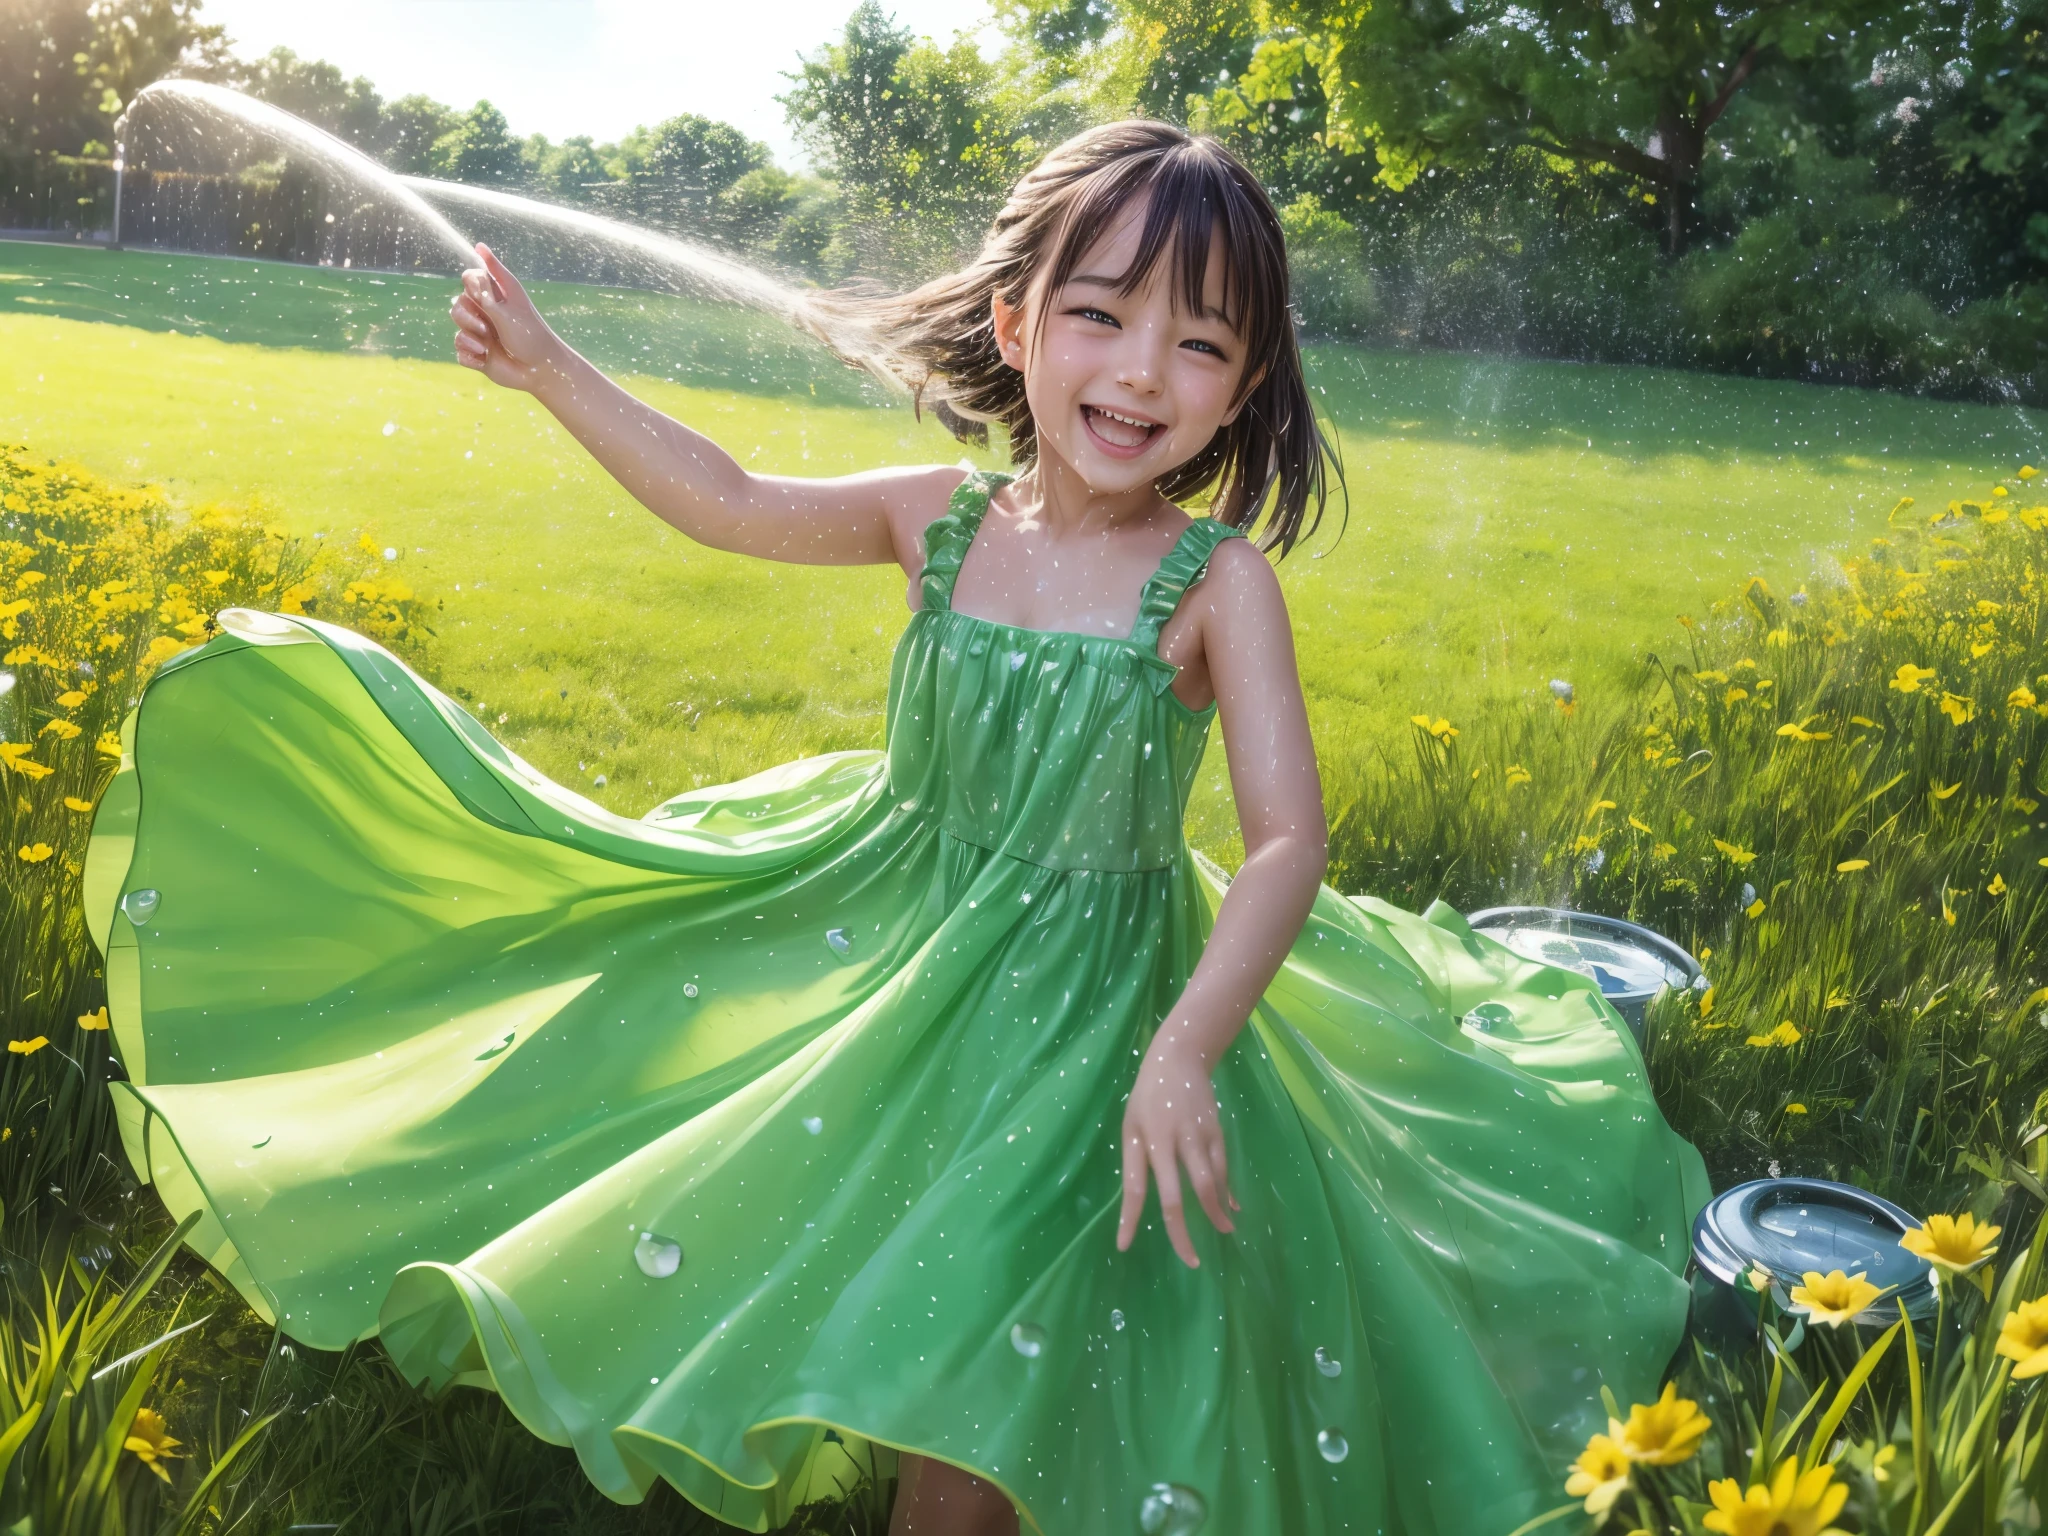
{"x":1126,"y":434}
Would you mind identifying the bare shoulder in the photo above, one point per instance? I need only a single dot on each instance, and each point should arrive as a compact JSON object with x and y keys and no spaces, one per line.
{"x":1241,"y":580}
{"x":915,"y":497}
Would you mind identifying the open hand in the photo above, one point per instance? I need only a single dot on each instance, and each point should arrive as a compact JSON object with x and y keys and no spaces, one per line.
{"x":1171,"y":1121}
{"x":498,"y":331}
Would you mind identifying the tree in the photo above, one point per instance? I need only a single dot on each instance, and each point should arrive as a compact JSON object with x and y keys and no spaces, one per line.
{"x":480,"y":150}
{"x":566,"y":171}
{"x":317,"y":91}
{"x":49,"y":100}
{"x":412,"y":126}
{"x":139,"y":42}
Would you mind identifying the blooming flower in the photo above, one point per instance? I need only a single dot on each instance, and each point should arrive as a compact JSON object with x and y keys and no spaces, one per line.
{"x":1755,"y":909}
{"x":2021,"y":697}
{"x":1735,"y":855}
{"x":1600,"y":1473}
{"x":1665,"y":1432}
{"x":14,"y":755}
{"x":1997,"y":885}
{"x":151,"y":1441}
{"x":1795,"y":1108}
{"x":2023,"y":1336}
{"x":72,"y":802}
{"x":1909,"y":677}
{"x":1850,"y":866}
{"x":1799,"y":732}
{"x":1959,"y":709}
{"x":1834,"y":1298}
{"x":1786,"y":1033}
{"x":1954,"y":1243}
{"x":27,"y":1047}
{"x":70,"y":699}
{"x":1794,"y":1504}
{"x":1517,"y":774}
{"x":34,"y":853}
{"x":97,"y":1019}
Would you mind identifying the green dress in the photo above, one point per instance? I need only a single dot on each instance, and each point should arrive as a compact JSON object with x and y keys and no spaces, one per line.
{"x":748,"y":1143}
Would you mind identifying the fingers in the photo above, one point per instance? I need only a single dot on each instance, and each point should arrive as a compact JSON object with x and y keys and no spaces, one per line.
{"x":1203,"y":1174}
{"x":508,"y":286}
{"x":1171,"y":1209}
{"x":470,"y":319}
{"x":1134,"y":1190}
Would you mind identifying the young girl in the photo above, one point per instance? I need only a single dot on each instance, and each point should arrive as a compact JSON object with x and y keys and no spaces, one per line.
{"x":817,"y":1121}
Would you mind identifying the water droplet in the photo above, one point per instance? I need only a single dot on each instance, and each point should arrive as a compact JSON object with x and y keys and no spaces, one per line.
{"x":1116,"y":1319}
{"x":840,"y":940}
{"x":1168,"y":1509}
{"x":390,"y":427}
{"x":1333,"y":1445}
{"x":815,"y":1124}
{"x":657,"y":1255}
{"x":1028,"y":1339}
{"x":141,"y":905}
{"x":1487,"y":1018}
{"x":1017,"y":659}
{"x":390,"y":553}
{"x":602,"y":781}
{"x":689,"y":989}
{"x":1328,"y":1363}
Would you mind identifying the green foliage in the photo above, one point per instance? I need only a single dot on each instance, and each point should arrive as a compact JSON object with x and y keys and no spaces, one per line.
{"x":1333,"y":293}
{"x":480,"y":150}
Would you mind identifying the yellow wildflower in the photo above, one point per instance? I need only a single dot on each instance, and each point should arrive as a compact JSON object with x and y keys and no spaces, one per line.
{"x":109,"y":743}
{"x":1834,"y":1298}
{"x":1442,"y":729}
{"x":1710,"y":677}
{"x":216,"y":578}
{"x":27,"y":1047}
{"x":1799,"y":732}
{"x":2021,"y":697}
{"x":1638,"y":823}
{"x":1948,"y":913}
{"x":1755,"y":909}
{"x":1706,"y":1002}
{"x":151,"y":1441}
{"x":1600,"y":1473}
{"x":1662,"y":850}
{"x":33,"y":853}
{"x":1850,"y":866}
{"x":63,"y":730}
{"x":1795,"y":1108}
{"x":1999,"y":490}
{"x":1795,"y":1504}
{"x":1665,"y":1432}
{"x":70,"y":699}
{"x":1997,"y":885}
{"x":1597,"y":807}
{"x":1517,"y":774}
{"x":1786,"y":1033}
{"x":1881,"y":1462}
{"x":1584,"y":844}
{"x":1954,"y":1243}
{"x":1959,"y":709}
{"x":14,"y":755}
{"x":1735,"y":855}
{"x":97,"y":1019}
{"x":2027,"y":472}
{"x":1734,"y":695}
{"x":1909,"y":677}
{"x":72,"y":802}
{"x":1836,"y":999}
{"x":2023,"y":1336}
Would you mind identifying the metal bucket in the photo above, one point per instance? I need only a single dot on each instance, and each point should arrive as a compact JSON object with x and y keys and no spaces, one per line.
{"x":1791,"y":1227}
{"x":1629,"y":963}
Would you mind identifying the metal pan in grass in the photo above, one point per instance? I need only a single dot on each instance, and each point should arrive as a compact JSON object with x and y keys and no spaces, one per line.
{"x":1629,"y":963}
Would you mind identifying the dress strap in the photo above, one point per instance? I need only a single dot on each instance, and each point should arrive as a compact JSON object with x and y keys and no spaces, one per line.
{"x":946,"y":538}
{"x":1185,"y":564}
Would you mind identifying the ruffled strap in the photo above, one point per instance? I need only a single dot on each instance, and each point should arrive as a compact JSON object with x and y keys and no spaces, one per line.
{"x":946,"y":538}
{"x":1184,"y":565}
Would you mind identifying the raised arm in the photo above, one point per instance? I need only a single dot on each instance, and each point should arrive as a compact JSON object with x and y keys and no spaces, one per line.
{"x":680,"y":475}
{"x":1171,"y":1120}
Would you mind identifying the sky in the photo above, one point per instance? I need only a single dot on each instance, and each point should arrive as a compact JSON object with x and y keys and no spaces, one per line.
{"x":563,"y":67}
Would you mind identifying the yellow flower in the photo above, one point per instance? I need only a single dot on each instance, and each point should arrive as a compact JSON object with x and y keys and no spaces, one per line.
{"x":63,"y":730}
{"x":1759,"y":1278}
{"x":70,"y":699}
{"x":216,"y":578}
{"x":1999,"y":490}
{"x":109,"y":744}
{"x":27,"y":1047}
{"x":73,"y":803}
{"x":151,"y":1441}
{"x":97,"y":1019}
{"x":1958,"y":708}
{"x":1597,"y":807}
{"x":1517,"y":774}
{"x":1795,"y":1504}
{"x":1941,"y":793}
{"x":34,"y":853}
{"x":1795,"y":1108}
{"x":1736,"y":855}
{"x":2021,"y":697}
{"x":1754,"y":910}
{"x":2027,"y":472}
{"x":1442,"y":729}
{"x":1710,"y":677}
{"x":1706,"y":1002}
{"x":1799,"y":732}
{"x":1909,"y":677}
{"x":2026,"y":807}
{"x":2023,"y":1336}
{"x":1834,"y":1298}
{"x":1600,"y":1473}
{"x":1662,"y":850}
{"x":1953,"y":1243}
{"x":1734,"y":695}
{"x":1786,"y":1033}
{"x":1850,"y":866}
{"x":1881,"y":1462}
{"x":1997,"y":885}
{"x":15,"y":755}
{"x":1584,"y":844}
{"x":1836,"y":1000}
{"x":1665,"y":1432}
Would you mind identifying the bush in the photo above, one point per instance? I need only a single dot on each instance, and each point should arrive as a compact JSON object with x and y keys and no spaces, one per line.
{"x":99,"y":585}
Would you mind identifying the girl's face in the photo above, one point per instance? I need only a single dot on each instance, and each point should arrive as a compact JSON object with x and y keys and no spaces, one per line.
{"x":1124,"y":387}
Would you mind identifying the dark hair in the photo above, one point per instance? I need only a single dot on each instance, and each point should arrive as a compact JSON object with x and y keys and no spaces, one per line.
{"x":939,"y":340}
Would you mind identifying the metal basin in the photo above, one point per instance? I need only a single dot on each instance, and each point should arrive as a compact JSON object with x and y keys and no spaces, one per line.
{"x":1629,"y":963}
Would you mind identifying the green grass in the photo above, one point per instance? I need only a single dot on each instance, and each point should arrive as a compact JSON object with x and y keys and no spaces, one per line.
{"x":1508,"y":521}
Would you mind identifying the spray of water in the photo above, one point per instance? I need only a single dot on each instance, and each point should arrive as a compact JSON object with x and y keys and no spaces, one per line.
{"x":174,"y":122}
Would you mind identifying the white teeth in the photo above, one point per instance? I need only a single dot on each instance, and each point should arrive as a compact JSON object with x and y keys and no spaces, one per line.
{"x":1129,"y":421}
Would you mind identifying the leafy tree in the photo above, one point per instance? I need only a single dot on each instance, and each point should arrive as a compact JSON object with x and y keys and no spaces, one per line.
{"x":480,"y":150}
{"x":566,"y":171}
{"x":139,"y":42}
{"x":1635,"y":86}
{"x":318,"y":91}
{"x":411,"y":128}
{"x":50,"y":100}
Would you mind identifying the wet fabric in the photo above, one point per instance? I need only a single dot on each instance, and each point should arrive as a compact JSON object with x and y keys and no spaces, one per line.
{"x":749,"y":1142}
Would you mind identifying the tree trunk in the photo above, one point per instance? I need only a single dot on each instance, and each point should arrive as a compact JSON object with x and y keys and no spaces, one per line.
{"x":1682,"y":139}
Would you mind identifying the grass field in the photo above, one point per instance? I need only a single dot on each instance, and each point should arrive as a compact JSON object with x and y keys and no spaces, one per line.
{"x":1508,"y":522}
